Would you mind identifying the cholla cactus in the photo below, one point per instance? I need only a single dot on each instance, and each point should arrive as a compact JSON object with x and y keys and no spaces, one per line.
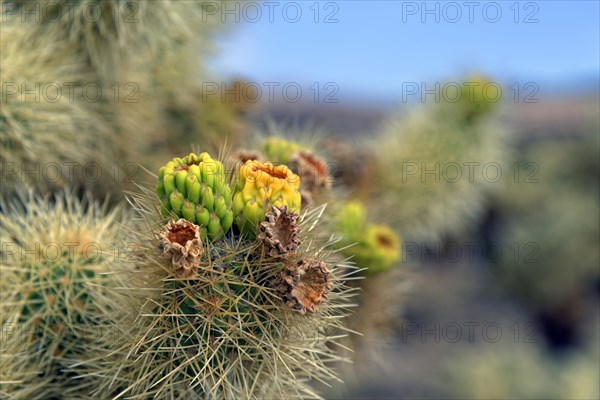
{"x":40,"y":114}
{"x":220,"y":111}
{"x":195,"y":188}
{"x":375,"y":247}
{"x":223,"y":318}
{"x":103,"y":31}
{"x":55,"y":256}
{"x":128,"y":72}
{"x":436,"y":171}
{"x":261,"y":186}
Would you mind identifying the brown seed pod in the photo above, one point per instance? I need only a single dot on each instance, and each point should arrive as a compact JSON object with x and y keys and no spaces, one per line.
{"x":280,"y":233}
{"x":242,"y":155}
{"x":181,"y":244}
{"x":313,"y":172}
{"x":305,"y":285}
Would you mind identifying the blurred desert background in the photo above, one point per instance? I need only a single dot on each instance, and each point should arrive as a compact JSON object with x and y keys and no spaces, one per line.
{"x":496,"y":290}
{"x":479,"y":325}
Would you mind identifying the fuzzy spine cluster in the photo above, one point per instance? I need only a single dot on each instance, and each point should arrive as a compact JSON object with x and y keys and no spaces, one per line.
{"x":53,"y":309}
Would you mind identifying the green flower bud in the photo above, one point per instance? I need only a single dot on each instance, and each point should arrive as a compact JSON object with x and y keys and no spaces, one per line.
{"x":189,"y":211}
{"x":176,"y":200}
{"x":215,"y":230}
{"x":194,"y":191}
{"x":180,"y":178}
{"x":279,"y":150}
{"x":202,"y":216}
{"x":208,"y":199}
{"x":169,"y":184}
{"x":227,"y":220}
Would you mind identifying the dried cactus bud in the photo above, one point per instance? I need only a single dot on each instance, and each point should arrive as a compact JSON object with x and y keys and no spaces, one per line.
{"x":181,"y":244}
{"x":305,"y":285}
{"x":378,"y":250}
{"x":280,"y":233}
{"x":242,"y":156}
{"x":280,"y":150}
{"x":348,"y":172}
{"x":313,"y":173}
{"x":261,"y":186}
{"x":185,"y":184}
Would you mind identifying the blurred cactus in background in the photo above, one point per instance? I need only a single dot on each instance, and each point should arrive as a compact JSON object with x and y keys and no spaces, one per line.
{"x":521,"y":371}
{"x":374,"y":247}
{"x":220,"y":110}
{"x":43,"y":132}
{"x":113,"y":81}
{"x":550,"y":211}
{"x":55,"y":257}
{"x":432,"y":166}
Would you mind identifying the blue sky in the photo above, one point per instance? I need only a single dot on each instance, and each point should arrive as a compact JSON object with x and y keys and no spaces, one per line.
{"x":376,"y":46}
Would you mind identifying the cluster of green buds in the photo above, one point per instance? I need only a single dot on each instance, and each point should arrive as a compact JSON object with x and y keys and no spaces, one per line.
{"x":195,"y":188}
{"x":372,"y":246}
{"x":259,"y":188}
